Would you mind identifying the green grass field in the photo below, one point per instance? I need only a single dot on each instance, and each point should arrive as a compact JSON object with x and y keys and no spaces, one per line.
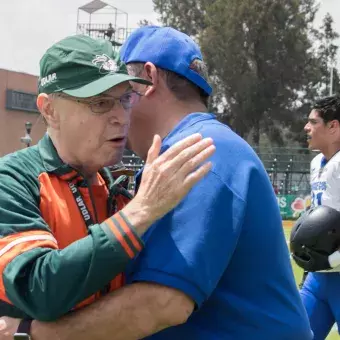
{"x":298,"y":275}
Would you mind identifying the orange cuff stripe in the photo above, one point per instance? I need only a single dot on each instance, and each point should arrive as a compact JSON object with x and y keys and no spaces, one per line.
{"x":128,"y":231}
{"x":86,"y":302}
{"x":120,"y":238}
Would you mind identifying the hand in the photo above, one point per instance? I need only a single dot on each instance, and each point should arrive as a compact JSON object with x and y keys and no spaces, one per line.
{"x":168,"y":178}
{"x":8,"y":326}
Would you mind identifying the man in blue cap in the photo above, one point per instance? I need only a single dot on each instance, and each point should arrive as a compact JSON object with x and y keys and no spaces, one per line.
{"x":225,"y":247}
{"x":217,"y":266}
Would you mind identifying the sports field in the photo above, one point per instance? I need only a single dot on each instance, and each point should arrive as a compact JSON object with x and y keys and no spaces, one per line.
{"x":298,"y":274}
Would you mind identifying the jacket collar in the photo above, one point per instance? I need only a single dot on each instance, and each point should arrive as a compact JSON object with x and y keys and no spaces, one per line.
{"x":51,"y":160}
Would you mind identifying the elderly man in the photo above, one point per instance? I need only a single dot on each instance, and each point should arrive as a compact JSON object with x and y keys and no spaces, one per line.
{"x":67,"y":229}
{"x":222,"y":249}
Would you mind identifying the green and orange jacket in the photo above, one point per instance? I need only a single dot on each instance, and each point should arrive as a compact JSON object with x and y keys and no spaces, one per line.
{"x":50,"y":263}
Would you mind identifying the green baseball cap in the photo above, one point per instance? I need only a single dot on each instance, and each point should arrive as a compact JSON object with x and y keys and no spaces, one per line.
{"x":81,"y":66}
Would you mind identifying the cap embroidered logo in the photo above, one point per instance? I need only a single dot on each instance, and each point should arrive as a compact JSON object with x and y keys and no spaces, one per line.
{"x":105,"y":64}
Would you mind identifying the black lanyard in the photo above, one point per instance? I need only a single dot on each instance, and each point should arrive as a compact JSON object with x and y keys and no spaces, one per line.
{"x":112,"y":204}
{"x":87,"y":219}
{"x":81,"y":205}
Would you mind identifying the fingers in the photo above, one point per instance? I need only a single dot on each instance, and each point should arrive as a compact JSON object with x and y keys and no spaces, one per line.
{"x":196,"y":176}
{"x":188,"y":154}
{"x":3,"y":324}
{"x":167,"y":178}
{"x":194,"y":162}
{"x":154,"y":150}
{"x":178,"y":147}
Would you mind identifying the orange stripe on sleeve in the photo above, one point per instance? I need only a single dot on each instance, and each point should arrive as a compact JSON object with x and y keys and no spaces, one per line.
{"x":16,"y":244}
{"x":120,"y":238}
{"x":128,"y":231}
{"x":86,"y":302}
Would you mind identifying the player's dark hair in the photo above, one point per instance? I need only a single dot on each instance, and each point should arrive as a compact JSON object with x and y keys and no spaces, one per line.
{"x":328,"y":108}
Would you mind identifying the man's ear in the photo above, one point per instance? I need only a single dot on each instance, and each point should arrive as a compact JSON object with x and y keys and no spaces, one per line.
{"x":47,"y":109}
{"x":151,"y":74}
{"x":334,"y":125}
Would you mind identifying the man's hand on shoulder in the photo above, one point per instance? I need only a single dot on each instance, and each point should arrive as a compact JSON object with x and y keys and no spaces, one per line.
{"x":167,"y":178}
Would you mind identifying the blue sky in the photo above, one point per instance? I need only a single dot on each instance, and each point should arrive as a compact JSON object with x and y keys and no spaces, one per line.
{"x":29,"y":27}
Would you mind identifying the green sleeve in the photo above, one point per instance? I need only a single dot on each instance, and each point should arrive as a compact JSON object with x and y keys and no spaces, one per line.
{"x":43,"y":282}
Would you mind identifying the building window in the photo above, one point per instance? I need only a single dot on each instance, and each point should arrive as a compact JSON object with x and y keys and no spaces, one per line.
{"x":21,"y":101}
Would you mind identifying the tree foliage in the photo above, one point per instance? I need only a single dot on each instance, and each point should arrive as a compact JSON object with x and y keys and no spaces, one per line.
{"x":187,"y":16}
{"x":266,"y":60}
{"x":144,"y":22}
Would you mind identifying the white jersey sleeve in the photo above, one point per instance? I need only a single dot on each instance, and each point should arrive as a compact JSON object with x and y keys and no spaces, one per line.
{"x":325,"y":185}
{"x":325,"y":181}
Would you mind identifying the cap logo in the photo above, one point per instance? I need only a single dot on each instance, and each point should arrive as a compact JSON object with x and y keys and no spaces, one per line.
{"x":51,"y":78}
{"x":105,"y":64}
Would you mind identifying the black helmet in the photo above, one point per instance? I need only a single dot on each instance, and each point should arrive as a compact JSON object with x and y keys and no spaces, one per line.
{"x":315,"y":236}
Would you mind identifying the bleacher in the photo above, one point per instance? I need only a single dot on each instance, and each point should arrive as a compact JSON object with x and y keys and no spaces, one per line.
{"x":287,"y":168}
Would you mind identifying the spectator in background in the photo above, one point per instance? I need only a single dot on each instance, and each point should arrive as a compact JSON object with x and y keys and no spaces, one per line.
{"x":110,"y":31}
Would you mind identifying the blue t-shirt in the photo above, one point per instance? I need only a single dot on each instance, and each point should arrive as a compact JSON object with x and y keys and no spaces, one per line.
{"x":224,"y":246}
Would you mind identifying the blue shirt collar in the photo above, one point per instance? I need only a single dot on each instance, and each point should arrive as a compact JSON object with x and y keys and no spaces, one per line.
{"x":186,"y":122}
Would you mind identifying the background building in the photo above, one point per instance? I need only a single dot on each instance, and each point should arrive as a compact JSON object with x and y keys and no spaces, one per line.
{"x":18,"y":92}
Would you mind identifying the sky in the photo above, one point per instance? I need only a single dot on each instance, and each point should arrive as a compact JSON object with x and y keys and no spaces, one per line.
{"x":29,"y":27}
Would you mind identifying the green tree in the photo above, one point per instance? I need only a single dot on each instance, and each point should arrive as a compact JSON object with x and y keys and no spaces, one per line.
{"x":318,"y":77}
{"x":144,"y":22}
{"x":261,"y":57}
{"x":327,"y":54}
{"x":259,"y":50}
{"x":187,"y":15}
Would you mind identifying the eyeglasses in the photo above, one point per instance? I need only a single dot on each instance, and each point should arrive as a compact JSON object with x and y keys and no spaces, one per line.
{"x":106,"y":103}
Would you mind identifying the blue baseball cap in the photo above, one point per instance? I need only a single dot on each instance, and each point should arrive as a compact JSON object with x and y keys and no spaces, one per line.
{"x":168,"y":49}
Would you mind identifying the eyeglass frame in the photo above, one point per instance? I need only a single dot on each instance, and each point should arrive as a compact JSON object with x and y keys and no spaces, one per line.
{"x":91,"y":102}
